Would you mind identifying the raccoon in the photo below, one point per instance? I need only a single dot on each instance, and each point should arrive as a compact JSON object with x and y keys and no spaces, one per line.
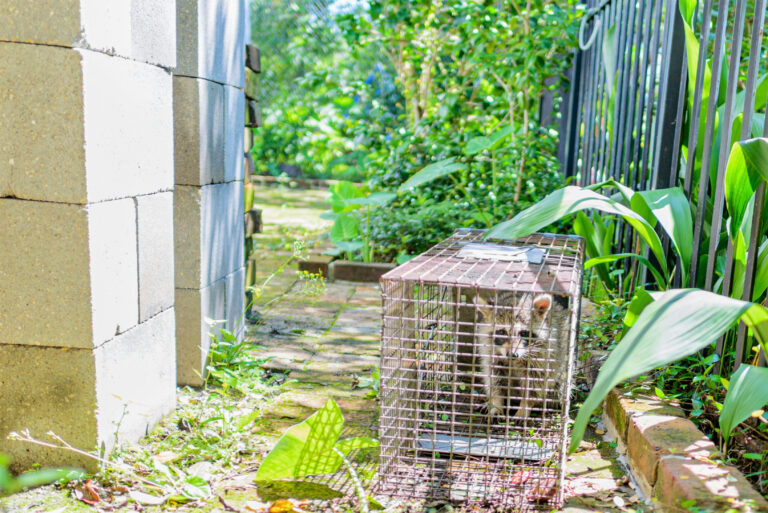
{"x":521,"y":340}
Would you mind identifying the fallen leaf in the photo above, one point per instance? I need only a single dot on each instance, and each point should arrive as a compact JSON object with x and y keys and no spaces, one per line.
{"x":520,"y":477}
{"x":166,"y":456}
{"x":146,"y":499}
{"x":618,"y":501}
{"x":599,"y":431}
{"x":544,"y":491}
{"x":281,"y":506}
{"x":255,"y":506}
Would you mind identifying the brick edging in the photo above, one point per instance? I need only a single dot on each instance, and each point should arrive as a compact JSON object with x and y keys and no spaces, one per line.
{"x":671,"y":459}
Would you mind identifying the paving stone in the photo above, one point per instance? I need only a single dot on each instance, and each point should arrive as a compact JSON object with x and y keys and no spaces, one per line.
{"x":155,"y":244}
{"x":650,"y":437}
{"x":712,"y":487}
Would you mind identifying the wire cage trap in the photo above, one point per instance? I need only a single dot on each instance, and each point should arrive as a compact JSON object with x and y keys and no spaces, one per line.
{"x":478,"y":344}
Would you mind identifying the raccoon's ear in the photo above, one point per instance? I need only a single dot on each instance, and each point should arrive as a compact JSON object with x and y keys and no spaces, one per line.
{"x":542,"y":303}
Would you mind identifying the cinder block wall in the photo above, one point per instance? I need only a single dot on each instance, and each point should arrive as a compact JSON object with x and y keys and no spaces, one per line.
{"x":87,"y":321}
{"x":209,"y":108}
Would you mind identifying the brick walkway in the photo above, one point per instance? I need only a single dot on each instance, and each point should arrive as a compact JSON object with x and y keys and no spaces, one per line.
{"x":323,"y":347}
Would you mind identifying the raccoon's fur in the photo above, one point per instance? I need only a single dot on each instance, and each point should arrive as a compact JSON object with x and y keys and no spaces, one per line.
{"x":522,"y":344}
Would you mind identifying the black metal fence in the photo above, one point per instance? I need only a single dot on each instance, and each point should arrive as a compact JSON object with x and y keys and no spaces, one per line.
{"x":638,"y":115}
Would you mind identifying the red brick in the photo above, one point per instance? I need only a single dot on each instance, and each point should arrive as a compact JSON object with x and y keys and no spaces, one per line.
{"x":649,"y":437}
{"x":713,"y":487}
{"x":621,"y":408}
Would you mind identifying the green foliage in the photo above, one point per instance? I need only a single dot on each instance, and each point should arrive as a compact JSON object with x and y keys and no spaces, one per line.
{"x":747,"y":392}
{"x":677,"y":324}
{"x":311,"y":447}
{"x":10,"y":484}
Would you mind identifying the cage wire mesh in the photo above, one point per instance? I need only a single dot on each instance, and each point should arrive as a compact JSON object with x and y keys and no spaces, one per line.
{"x":478,"y":344}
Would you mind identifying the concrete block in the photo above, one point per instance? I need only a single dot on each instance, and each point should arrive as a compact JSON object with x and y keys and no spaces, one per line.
{"x":199,"y":131}
{"x":208,"y":233}
{"x":155,"y":249}
{"x":194,"y":311}
{"x":358,"y":271}
{"x":236,"y":302}
{"x":87,"y":395}
{"x":210,"y":38}
{"x":42,"y":139}
{"x":153,"y":30}
{"x":48,"y":389}
{"x":234,"y":122}
{"x":136,"y":379}
{"x":128,"y":127}
{"x":44,"y":274}
{"x":113,"y":268}
{"x":142,"y":30}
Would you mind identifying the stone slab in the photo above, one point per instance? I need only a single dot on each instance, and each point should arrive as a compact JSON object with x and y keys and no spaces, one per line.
{"x":136,"y":379}
{"x":199,"y":131}
{"x":44,"y":274}
{"x":650,"y":437}
{"x":194,"y":309}
{"x":315,"y":265}
{"x":155,"y":245}
{"x":113,"y":268}
{"x":142,"y":30}
{"x":210,"y":37}
{"x":705,"y":486}
{"x":234,"y":123}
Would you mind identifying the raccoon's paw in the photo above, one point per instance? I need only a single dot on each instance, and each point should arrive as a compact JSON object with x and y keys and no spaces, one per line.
{"x":493,"y":410}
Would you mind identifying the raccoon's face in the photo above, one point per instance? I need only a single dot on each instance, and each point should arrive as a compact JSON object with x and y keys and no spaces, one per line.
{"x":517,"y":327}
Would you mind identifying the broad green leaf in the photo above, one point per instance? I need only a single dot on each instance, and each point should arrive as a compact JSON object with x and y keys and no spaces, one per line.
{"x":345,"y":227}
{"x":660,"y":281}
{"x":572,"y":199}
{"x":342,"y":191}
{"x":761,"y":272}
{"x":477,"y":144}
{"x":432,"y":172}
{"x":501,"y":134}
{"x":747,"y":167}
{"x":747,"y":392}
{"x":39,"y":478}
{"x":360,"y":442}
{"x":679,"y":323}
{"x":641,"y":299}
{"x":594,"y":245}
{"x":673,"y":212}
{"x":305,"y":449}
{"x":377,"y":198}
{"x":349,"y":245}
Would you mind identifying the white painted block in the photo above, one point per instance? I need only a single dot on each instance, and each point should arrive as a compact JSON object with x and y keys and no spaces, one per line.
{"x":155,"y":245}
{"x":195,"y":309}
{"x":234,"y":122}
{"x":210,"y":38}
{"x":199,"y":131}
{"x":113,"y":268}
{"x":44,"y":274}
{"x":209,"y":233}
{"x":128,"y":110}
{"x":141,"y":30}
{"x":136,"y":379}
{"x":236,"y":302}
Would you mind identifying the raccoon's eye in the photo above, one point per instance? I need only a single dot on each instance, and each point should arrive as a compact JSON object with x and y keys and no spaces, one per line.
{"x":525,"y":334}
{"x":502,"y":333}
